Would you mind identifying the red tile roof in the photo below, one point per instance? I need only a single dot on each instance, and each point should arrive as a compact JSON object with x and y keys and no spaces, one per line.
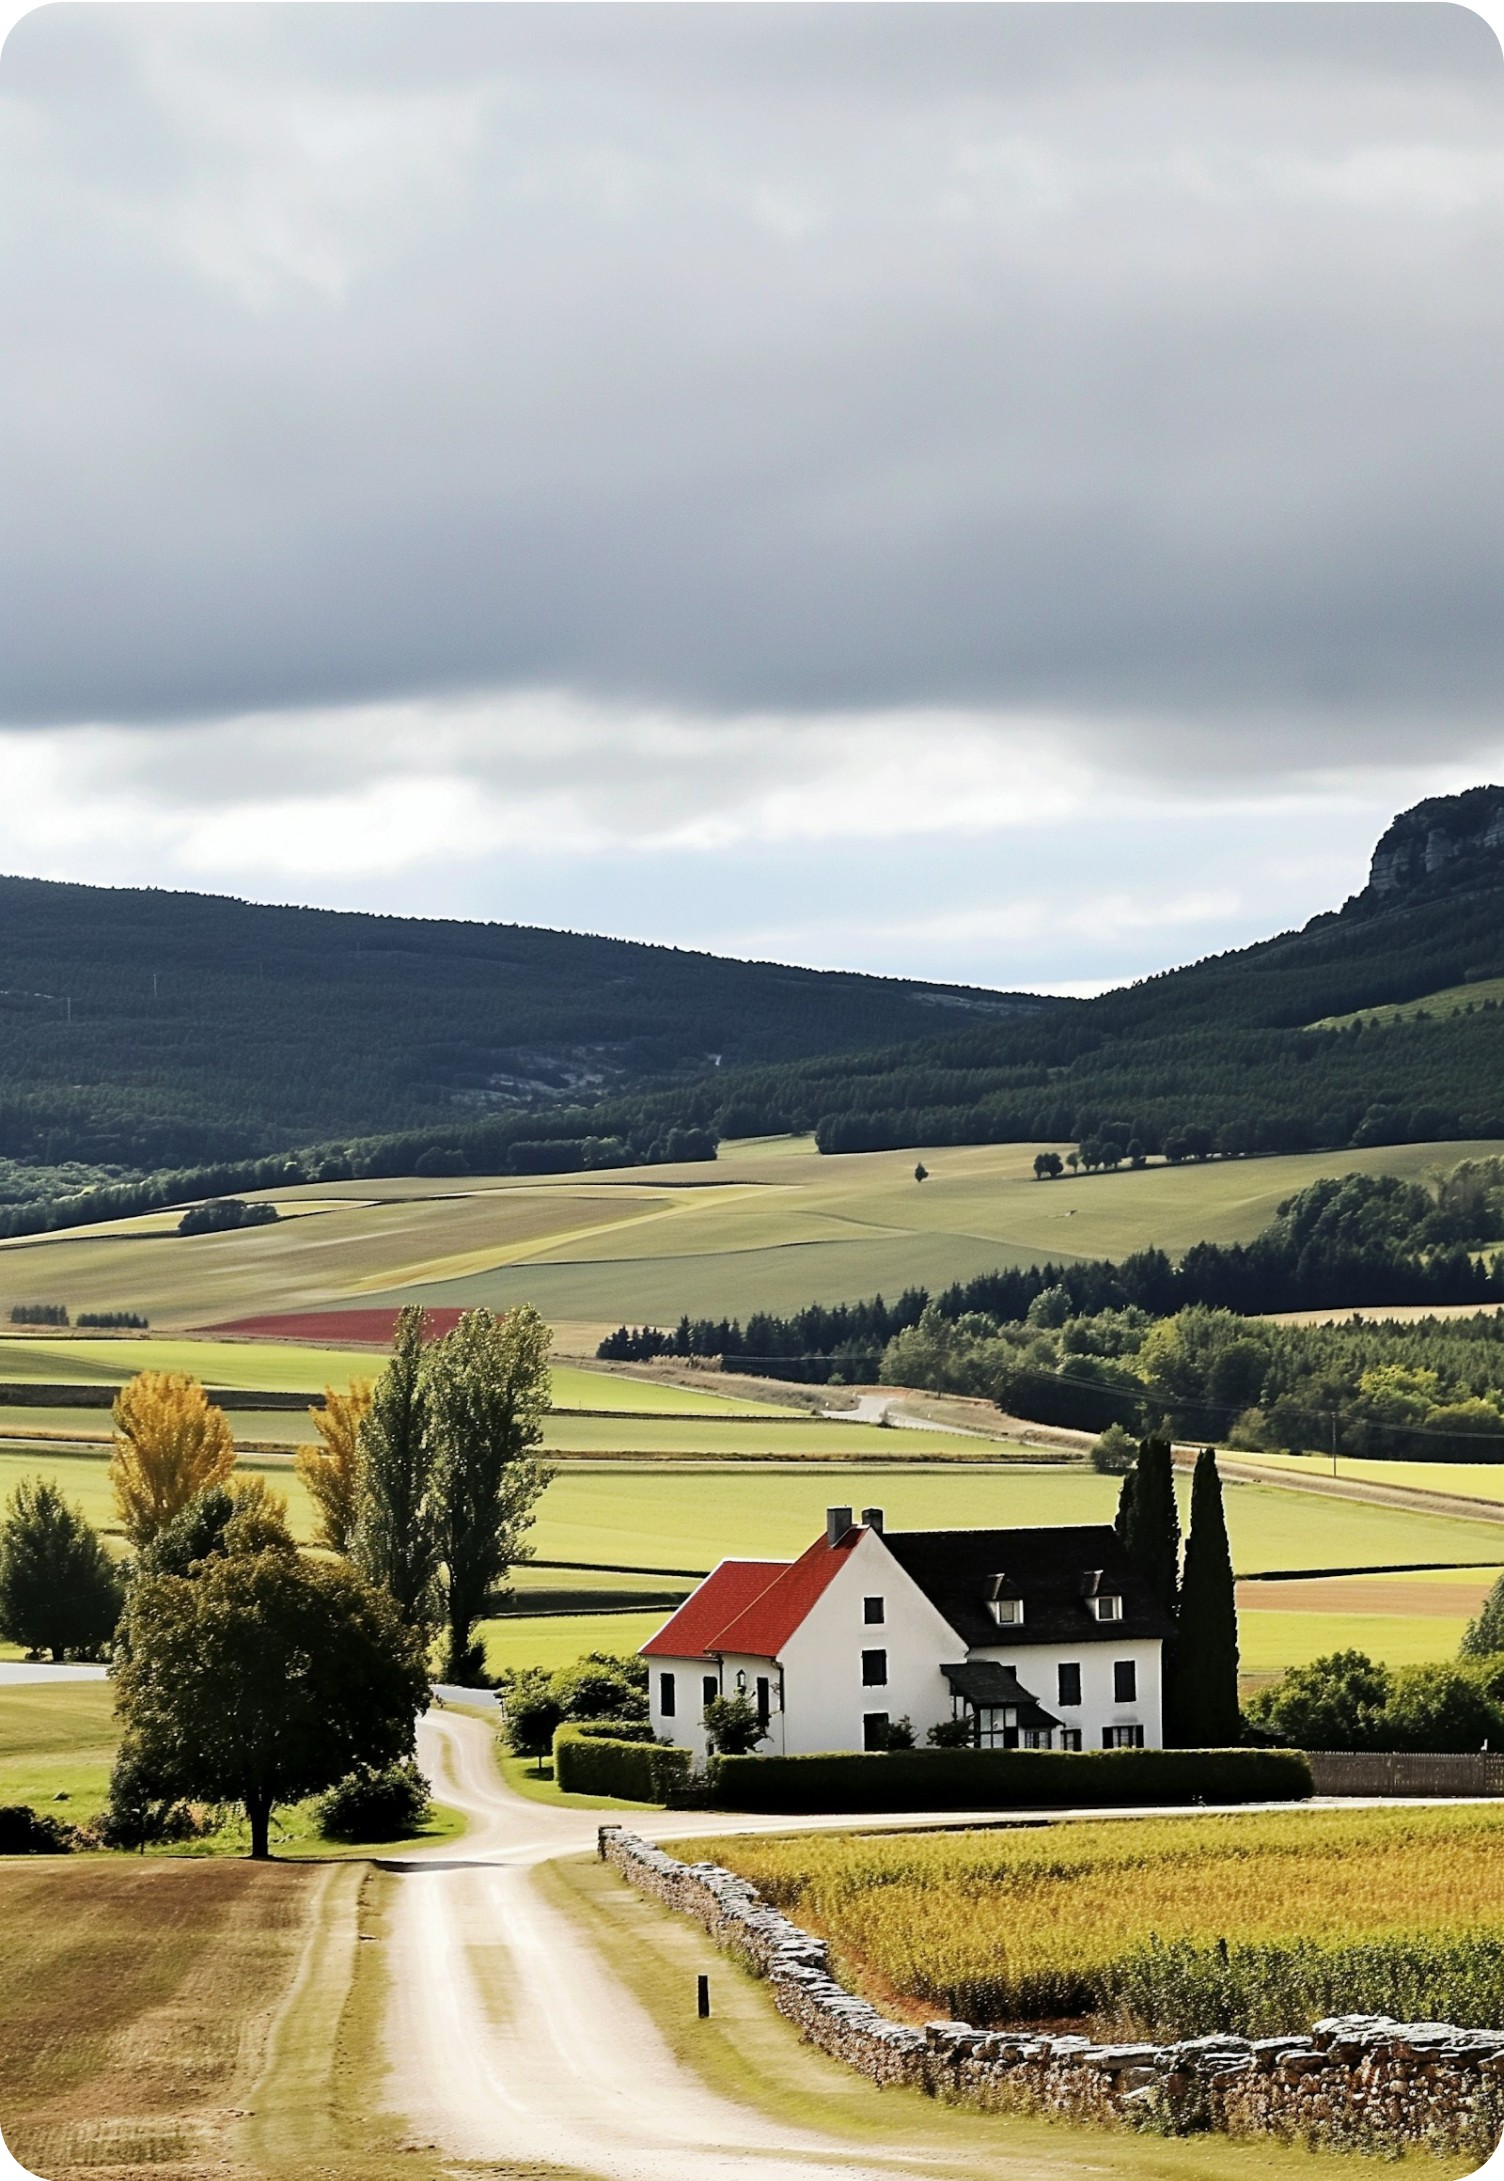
{"x":726,"y":1592}
{"x":765,"y":1625}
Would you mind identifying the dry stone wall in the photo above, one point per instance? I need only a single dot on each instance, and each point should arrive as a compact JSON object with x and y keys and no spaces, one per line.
{"x":1357,"y":2080}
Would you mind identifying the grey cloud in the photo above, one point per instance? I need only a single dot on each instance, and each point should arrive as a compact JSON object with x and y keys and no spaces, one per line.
{"x":1135,"y":363}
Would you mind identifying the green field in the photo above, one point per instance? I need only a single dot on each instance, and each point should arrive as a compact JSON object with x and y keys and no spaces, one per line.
{"x":57,"y":1737}
{"x":661,"y":1513}
{"x":771,"y":1225}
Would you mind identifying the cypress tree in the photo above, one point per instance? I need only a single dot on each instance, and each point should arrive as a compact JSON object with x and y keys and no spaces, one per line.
{"x":396,"y":1532}
{"x":1206,"y":1711}
{"x":1148,"y":1521}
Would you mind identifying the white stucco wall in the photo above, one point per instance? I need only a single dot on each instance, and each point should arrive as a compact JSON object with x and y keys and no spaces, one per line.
{"x":1036,"y":1665}
{"x":687,"y":1725}
{"x":822,"y":1661}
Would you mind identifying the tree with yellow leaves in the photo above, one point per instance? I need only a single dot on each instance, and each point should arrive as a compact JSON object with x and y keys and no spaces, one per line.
{"x":170,"y":1442}
{"x":332,"y":1471}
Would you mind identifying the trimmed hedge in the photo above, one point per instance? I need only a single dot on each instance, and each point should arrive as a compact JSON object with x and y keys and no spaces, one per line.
{"x":1013,"y":1779}
{"x":630,"y":1771}
{"x":614,"y":1730}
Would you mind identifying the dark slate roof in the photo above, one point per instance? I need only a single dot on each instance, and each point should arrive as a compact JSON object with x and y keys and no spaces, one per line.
{"x":1052,"y":1571}
{"x":989,"y":1686}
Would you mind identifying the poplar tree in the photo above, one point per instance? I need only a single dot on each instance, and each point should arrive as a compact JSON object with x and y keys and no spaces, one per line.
{"x":490,"y":1392}
{"x":396,"y":1533}
{"x":171,"y":1443}
{"x":331,"y":1470}
{"x":1207,"y":1713}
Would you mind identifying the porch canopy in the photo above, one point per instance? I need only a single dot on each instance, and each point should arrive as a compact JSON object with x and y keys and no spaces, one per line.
{"x":987,"y":1685}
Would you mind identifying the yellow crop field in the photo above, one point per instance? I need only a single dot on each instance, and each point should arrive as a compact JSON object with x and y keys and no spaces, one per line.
{"x":1177,"y":1926}
{"x":770,"y":1225}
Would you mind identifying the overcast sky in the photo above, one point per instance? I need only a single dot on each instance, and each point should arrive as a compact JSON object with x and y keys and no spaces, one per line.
{"x":1000,"y":493}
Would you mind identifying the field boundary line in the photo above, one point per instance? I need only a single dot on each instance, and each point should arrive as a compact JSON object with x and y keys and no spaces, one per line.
{"x":1411,"y":1498}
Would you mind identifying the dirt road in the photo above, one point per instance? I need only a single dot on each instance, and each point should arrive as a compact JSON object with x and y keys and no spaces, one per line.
{"x":511,"y":2039}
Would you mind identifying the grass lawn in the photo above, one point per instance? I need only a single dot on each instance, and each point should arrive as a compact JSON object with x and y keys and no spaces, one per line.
{"x":748,"y":2052}
{"x":771,"y":1225}
{"x":83,"y":1474}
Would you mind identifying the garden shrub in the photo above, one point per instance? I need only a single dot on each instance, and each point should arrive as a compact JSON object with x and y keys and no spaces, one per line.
{"x":988,"y":1779}
{"x":383,"y":1805}
{"x":24,"y":1831}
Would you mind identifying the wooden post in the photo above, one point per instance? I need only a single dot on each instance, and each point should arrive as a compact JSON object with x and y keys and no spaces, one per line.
{"x":703,"y":1997}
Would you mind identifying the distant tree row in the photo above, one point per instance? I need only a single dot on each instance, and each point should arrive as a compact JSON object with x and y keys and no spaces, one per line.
{"x":1364,"y":1239}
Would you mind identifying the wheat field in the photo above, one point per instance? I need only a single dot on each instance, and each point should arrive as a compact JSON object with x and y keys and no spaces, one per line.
{"x":1258,"y":1923}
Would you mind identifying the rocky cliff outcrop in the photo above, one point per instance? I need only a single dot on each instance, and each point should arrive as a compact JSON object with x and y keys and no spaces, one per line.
{"x":1455,"y":835}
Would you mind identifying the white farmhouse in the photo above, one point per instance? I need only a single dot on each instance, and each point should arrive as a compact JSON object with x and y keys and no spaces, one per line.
{"x":1038,"y":1638}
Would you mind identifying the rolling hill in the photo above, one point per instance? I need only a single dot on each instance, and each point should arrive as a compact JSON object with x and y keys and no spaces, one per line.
{"x":145,"y":1029}
{"x":141,"y":1031}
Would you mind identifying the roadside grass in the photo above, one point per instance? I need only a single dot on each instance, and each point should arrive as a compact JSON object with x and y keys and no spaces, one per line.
{"x":770,"y":1225}
{"x":1257,"y":1922}
{"x":746,"y":2051}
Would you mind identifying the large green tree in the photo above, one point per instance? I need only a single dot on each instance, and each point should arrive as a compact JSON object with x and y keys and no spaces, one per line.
{"x":262,"y":1678}
{"x":1204,"y":1705}
{"x":489,"y":1394}
{"x":396,"y":1531}
{"x":59,"y":1589}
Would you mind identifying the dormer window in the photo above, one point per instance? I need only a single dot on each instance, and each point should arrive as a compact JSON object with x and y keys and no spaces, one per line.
{"x":1109,"y":1607}
{"x":1006,"y":1603}
{"x":1102,"y":1601}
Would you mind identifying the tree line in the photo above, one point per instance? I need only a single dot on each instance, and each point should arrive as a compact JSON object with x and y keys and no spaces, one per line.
{"x":1361,"y":1239}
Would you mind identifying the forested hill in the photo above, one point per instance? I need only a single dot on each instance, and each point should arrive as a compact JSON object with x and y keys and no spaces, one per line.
{"x":1291,"y":1044}
{"x":148,"y":1029}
